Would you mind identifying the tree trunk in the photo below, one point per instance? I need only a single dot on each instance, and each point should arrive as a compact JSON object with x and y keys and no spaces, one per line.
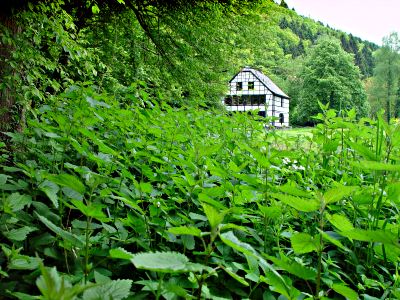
{"x":7,"y":94}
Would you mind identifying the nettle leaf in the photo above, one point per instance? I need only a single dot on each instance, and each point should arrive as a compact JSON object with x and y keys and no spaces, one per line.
{"x":93,"y":210}
{"x":68,"y":181}
{"x":375,"y":166}
{"x":301,"y":204}
{"x":378,"y":236}
{"x":342,"y":223}
{"x":145,"y":187}
{"x":52,"y":285}
{"x":17,"y":202}
{"x":115,"y":289}
{"x":394,"y":192}
{"x":19,"y":234}
{"x":389,"y":252}
{"x":204,"y":198}
{"x":50,"y":189}
{"x":23,"y":262}
{"x":166,"y":262}
{"x":214,"y":217}
{"x":188,"y":241}
{"x":345,"y":291}
{"x":293,"y":267}
{"x":338,"y":193}
{"x":121,"y":253}
{"x":185,"y":230}
{"x":231,"y":240}
{"x":3,"y":179}
{"x":235,"y":276}
{"x":328,"y":237}
{"x":278,"y":284}
{"x":65,"y":235}
{"x":291,"y":189}
{"x":303,"y":243}
{"x":272,"y":212}
{"x":362,"y":150}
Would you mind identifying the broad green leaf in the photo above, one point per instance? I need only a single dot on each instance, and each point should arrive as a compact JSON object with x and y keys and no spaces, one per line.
{"x":301,"y":204}
{"x":379,"y":236}
{"x":53,"y":285}
{"x":341,"y":222}
{"x":166,"y":262}
{"x":23,"y":262}
{"x":293,"y":267}
{"x":231,"y":240}
{"x":68,"y":181}
{"x":50,"y":189}
{"x":206,"y":199}
{"x":277,"y":284}
{"x":375,"y":166}
{"x":19,"y":234}
{"x":17,"y":202}
{"x":121,"y":253}
{"x":304,"y":243}
{"x":394,"y":192}
{"x":145,"y":187}
{"x":185,"y":230}
{"x":332,"y":240}
{"x":235,"y":276}
{"x":362,"y":150}
{"x":214,"y":217}
{"x":102,"y":146}
{"x":345,"y":291}
{"x":272,"y":212}
{"x":65,"y":235}
{"x":72,"y":194}
{"x":338,"y":193}
{"x":93,"y":210}
{"x":188,"y":241}
{"x":391,"y":253}
{"x":330,"y":146}
{"x":292,"y":190}
{"x":3,"y":179}
{"x":114,"y":289}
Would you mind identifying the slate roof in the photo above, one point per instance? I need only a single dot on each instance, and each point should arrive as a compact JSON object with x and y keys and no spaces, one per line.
{"x":266,"y":81}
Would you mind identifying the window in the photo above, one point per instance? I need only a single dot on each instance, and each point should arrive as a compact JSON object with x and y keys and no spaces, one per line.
{"x":251,"y":85}
{"x":257,"y":99}
{"x":282,"y":101}
{"x":228,"y":101}
{"x":239,"y":86}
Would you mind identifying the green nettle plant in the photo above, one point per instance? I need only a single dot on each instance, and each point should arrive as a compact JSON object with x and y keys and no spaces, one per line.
{"x":111,"y":201}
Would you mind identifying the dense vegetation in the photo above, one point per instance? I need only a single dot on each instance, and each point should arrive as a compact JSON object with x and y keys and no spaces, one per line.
{"x":197,"y":201}
{"x":122,"y":178}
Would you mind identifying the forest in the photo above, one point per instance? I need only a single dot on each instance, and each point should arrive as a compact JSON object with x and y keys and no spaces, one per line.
{"x":124,"y":177}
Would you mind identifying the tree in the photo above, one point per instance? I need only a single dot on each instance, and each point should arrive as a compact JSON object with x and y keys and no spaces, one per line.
{"x":329,"y":75}
{"x":284,"y":4}
{"x":387,"y":74}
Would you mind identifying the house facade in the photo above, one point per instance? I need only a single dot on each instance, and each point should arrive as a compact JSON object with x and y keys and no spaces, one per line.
{"x":250,"y":89}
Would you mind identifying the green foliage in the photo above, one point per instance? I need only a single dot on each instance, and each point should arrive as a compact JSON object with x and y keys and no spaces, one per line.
{"x":329,"y":76}
{"x":386,"y":80}
{"x":202,"y":204}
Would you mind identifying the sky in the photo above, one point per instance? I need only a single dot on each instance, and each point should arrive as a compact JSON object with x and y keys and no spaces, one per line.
{"x":368,"y":19}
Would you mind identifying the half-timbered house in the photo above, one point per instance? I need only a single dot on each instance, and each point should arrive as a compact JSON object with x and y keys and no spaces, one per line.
{"x":250,"y":89}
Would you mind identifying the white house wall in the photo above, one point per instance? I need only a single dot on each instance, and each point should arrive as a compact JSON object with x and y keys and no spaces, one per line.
{"x":273,"y":106}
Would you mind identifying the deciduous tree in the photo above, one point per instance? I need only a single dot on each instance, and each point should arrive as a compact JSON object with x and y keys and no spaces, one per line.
{"x":329,"y":75}
{"x":387,"y":75}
